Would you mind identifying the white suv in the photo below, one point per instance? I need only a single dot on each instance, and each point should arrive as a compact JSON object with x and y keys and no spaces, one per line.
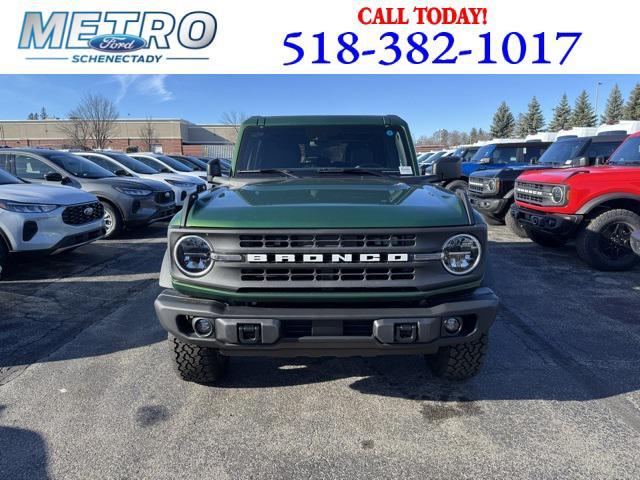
{"x":45,"y":219}
{"x":121,"y":163}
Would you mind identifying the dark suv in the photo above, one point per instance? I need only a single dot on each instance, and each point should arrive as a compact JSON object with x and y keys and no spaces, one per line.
{"x":325,"y":241}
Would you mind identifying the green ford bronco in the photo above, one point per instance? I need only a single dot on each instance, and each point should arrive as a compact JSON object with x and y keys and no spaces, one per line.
{"x":324,"y":240}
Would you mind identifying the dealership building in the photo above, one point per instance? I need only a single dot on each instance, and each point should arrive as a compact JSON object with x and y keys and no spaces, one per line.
{"x":169,"y":135}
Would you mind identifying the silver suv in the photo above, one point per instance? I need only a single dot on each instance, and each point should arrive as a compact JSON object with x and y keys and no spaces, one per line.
{"x":127,"y":203}
{"x":41,"y":219}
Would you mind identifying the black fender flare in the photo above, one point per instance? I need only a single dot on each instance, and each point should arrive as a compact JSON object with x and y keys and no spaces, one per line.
{"x":595,"y":202}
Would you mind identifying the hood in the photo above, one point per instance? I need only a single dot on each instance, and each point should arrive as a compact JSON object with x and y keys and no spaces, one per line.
{"x":554,"y":175}
{"x":45,"y":194}
{"x":506,"y":172}
{"x":133,"y":183}
{"x":328,"y":203}
{"x":469,"y":167}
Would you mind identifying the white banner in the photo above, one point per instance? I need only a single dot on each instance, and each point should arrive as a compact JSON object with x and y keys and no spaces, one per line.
{"x":329,"y":36}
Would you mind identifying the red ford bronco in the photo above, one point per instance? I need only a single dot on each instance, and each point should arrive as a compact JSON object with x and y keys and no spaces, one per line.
{"x":598,"y":206}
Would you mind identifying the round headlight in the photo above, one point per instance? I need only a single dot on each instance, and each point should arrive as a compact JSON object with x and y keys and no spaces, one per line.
{"x":491,"y":185}
{"x":192,"y":255}
{"x":461,"y":254}
{"x":557,"y":194}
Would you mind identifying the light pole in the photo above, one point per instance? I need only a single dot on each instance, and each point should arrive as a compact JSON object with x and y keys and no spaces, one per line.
{"x":597,"y":97}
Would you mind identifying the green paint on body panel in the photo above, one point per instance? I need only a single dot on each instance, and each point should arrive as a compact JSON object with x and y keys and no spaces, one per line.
{"x":352,"y":202}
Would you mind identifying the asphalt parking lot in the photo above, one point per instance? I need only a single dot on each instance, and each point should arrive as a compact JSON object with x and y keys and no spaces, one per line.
{"x":87,"y":388}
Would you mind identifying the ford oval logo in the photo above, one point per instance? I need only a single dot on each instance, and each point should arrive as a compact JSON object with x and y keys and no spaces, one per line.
{"x":88,"y":211}
{"x":117,"y":43}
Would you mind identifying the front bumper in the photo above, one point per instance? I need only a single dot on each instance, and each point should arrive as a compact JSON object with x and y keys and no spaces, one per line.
{"x":145,"y":210}
{"x":311,"y":331}
{"x":497,"y":207}
{"x":554,"y":223}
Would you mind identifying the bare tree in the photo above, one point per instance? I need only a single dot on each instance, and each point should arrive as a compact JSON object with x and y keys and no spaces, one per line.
{"x":92,"y":122}
{"x":234,"y":119}
{"x":147,"y":134}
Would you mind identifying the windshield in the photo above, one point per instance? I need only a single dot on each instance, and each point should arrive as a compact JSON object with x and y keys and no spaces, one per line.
{"x":76,"y":166}
{"x":370,"y":147}
{"x":496,"y":154}
{"x":465,"y":153}
{"x":187,"y":162}
{"x":434,"y":157}
{"x":8,"y":179}
{"x":559,"y":152}
{"x":628,"y":153}
{"x":176,"y":165}
{"x":196,"y":163}
{"x":132,"y":164}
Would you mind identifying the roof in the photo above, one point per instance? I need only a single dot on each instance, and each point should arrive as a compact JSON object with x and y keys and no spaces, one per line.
{"x":307,"y":120}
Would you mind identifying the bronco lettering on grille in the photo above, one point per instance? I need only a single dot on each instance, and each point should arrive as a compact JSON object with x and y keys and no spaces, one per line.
{"x":327,"y":257}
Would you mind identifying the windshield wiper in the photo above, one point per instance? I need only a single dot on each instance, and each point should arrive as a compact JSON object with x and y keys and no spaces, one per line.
{"x":352,"y":170}
{"x":282,"y":171}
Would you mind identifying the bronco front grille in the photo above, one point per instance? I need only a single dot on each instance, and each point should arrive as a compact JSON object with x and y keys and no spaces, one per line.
{"x":328,"y":241}
{"x":84,"y":213}
{"x":476,"y":187}
{"x":326,"y":274}
{"x":528,"y":192}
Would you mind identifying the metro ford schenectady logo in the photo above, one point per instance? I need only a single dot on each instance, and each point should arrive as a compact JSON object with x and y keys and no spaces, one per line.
{"x":121,"y":37}
{"x":117,"y":43}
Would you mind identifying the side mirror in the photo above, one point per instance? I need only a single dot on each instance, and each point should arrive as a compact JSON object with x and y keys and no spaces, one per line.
{"x":485,"y":160}
{"x":53,"y":177}
{"x":600,"y":160}
{"x":582,"y":161}
{"x":213,"y":170}
{"x":121,"y":172}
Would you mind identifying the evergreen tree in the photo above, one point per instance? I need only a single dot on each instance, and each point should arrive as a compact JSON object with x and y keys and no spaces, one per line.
{"x":32,"y":116}
{"x":503,"y":124}
{"x":43,"y":114}
{"x":583,"y":114}
{"x":561,"y":115}
{"x":473,"y":135}
{"x":534,"y":117}
{"x":614,"y":111}
{"x":632,"y":108}
{"x":522,"y":128}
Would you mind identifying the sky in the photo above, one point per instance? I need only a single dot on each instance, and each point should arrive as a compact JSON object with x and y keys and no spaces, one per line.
{"x":427,"y":102}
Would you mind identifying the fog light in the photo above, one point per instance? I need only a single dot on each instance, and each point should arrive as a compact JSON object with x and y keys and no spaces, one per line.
{"x":202,"y":326}
{"x":452,"y":325}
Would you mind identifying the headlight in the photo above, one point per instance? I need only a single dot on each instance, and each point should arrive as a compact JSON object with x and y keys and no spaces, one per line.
{"x":178,"y":183}
{"x":26,"y":207}
{"x":557,"y":195}
{"x":134,"y":192}
{"x":461,"y":254}
{"x":492,"y":185}
{"x":193,"y":256}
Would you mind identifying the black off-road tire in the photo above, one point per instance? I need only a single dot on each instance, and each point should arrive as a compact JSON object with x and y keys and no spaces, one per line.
{"x":198,"y":364}
{"x":491,"y":220}
{"x":459,"y":362}
{"x":515,"y":226}
{"x":545,"y":239}
{"x":457,"y":185}
{"x":590,"y":240}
